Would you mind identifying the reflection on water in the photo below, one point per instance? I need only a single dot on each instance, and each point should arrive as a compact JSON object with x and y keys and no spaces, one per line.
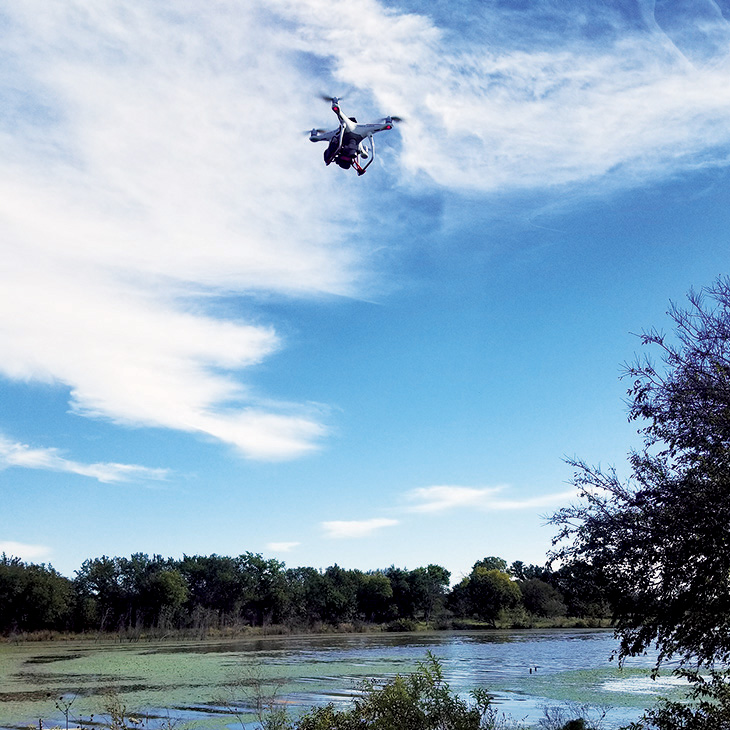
{"x":645,"y":685}
{"x":524,"y":671}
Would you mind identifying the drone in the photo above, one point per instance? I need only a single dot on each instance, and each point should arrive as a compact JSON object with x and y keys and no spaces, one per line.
{"x":350,"y":142}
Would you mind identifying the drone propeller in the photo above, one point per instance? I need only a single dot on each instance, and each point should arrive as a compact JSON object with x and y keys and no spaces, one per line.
{"x":397,"y":120}
{"x":331,"y":99}
{"x":314,"y":131}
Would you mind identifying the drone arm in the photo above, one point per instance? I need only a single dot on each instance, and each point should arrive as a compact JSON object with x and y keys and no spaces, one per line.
{"x":345,"y":122}
{"x":319,"y":135}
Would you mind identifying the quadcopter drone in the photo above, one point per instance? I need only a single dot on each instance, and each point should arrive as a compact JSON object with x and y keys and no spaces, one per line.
{"x":350,"y":141}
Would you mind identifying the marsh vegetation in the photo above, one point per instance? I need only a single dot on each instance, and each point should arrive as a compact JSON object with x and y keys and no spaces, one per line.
{"x":219,"y":683}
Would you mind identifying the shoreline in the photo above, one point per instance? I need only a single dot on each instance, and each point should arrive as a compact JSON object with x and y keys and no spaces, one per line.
{"x":282,"y":631}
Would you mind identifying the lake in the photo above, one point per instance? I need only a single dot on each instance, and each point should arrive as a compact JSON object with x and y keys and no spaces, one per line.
{"x":201,"y":681}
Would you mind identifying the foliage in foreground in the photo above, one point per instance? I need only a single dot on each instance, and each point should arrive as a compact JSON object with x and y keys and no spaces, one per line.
{"x":422,"y":700}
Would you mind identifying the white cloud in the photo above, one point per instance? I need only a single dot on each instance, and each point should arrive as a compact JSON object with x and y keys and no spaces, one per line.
{"x":14,"y":454}
{"x":149,"y":161}
{"x":516,"y":105}
{"x":282,"y":547}
{"x":443,"y":498}
{"x":446,"y":498}
{"x":440,"y":498}
{"x":23,"y":551}
{"x":356,"y":528}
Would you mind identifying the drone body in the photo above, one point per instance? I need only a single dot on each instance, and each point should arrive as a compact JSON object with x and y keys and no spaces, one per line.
{"x":350,"y":141}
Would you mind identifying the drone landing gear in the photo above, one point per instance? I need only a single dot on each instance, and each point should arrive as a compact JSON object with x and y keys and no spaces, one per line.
{"x":370,"y":154}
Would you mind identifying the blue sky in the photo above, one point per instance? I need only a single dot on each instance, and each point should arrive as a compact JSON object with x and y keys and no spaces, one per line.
{"x":212,"y":343}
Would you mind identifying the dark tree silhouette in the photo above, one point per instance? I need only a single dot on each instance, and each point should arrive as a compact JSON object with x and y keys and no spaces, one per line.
{"x":660,"y":539}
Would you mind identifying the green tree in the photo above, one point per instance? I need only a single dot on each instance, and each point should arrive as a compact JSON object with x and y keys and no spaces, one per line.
{"x":264,"y":588}
{"x":374,"y":596}
{"x":137,"y":576}
{"x":541,"y":599}
{"x":583,"y":589}
{"x":404,"y":602}
{"x":306,"y":589}
{"x":33,"y":597}
{"x":486,"y":592}
{"x":490,"y":592}
{"x":418,"y":593}
{"x":48,"y":598}
{"x":340,"y":594}
{"x":491,"y":563}
{"x":165,"y":593}
{"x":98,"y":584}
{"x":214,"y":585}
{"x":520,"y":571}
{"x":12,"y":586}
{"x":660,"y":538}
{"x":428,"y":589}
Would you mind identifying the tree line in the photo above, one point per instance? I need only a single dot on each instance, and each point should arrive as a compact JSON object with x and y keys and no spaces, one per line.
{"x":115,"y":594}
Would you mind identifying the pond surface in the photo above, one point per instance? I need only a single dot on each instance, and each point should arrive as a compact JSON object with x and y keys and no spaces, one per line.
{"x":205,"y":681}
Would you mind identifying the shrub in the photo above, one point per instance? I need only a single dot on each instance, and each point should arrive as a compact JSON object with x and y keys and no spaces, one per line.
{"x":419,"y":701}
{"x":402,"y":624}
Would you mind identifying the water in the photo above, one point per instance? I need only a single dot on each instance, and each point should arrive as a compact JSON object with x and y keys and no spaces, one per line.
{"x":205,"y":681}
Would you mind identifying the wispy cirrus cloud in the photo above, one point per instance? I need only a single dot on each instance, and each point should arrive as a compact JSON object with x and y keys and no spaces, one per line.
{"x":15,"y":454}
{"x":343,"y":529}
{"x":447,"y":498}
{"x":438,"y":499}
{"x":540,"y":95}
